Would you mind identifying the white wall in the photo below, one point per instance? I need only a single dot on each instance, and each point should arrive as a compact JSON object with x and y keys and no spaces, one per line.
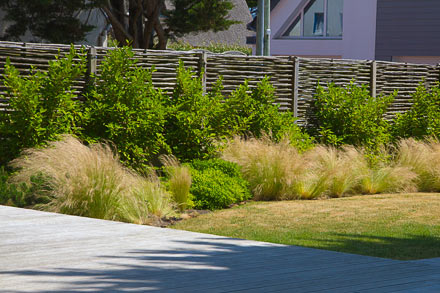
{"x":359,"y":33}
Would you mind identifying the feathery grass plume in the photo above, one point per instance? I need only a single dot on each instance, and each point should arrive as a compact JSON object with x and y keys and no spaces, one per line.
{"x":423,"y":158}
{"x":387,"y":179}
{"x":149,"y":199}
{"x":338,"y":169}
{"x":308,"y":185}
{"x":90,"y":181}
{"x":277,"y":171}
{"x":266,"y":165}
{"x":385,"y":176}
{"x":179,"y":181}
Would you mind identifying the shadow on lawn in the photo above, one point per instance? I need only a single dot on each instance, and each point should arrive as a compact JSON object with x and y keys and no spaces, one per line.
{"x":408,"y":248}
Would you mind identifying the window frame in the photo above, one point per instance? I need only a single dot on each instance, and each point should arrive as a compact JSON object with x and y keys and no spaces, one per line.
{"x":285,"y":28}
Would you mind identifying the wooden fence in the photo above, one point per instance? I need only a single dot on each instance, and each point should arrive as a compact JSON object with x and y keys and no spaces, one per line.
{"x":294,"y":78}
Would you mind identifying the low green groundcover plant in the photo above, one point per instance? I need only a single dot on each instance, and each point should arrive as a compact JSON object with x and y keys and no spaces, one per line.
{"x":31,"y":194}
{"x":216,"y":184}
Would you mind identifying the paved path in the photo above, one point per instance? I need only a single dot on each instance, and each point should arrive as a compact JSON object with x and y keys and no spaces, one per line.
{"x":46,"y":252}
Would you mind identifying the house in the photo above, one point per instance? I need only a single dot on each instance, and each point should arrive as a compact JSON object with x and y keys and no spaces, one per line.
{"x":389,"y":30}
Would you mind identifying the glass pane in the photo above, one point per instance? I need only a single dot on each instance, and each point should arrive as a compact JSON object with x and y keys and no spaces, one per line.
{"x":295,"y":29}
{"x":335,"y":10}
{"x":314,"y":19}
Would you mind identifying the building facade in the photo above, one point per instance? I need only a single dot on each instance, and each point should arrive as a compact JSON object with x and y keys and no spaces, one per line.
{"x":392,"y":30}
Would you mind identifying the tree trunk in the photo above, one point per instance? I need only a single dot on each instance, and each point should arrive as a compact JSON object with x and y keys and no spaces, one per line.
{"x":162,"y":36}
{"x":141,"y":24}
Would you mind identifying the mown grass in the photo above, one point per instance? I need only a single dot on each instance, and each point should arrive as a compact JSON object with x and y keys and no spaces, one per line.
{"x":398,"y":226}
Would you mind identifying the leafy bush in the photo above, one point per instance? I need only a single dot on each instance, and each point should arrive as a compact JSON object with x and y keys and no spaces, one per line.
{"x":254,"y":112}
{"x":43,"y":104}
{"x":423,"y":119}
{"x":90,"y":181}
{"x":194,"y":120}
{"x":125,"y":108}
{"x":217,"y":184}
{"x":350,"y":115}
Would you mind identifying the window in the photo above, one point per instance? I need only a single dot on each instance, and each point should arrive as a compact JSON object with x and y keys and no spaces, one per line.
{"x":319,"y":18}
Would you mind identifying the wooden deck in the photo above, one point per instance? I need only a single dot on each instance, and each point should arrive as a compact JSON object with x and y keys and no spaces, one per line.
{"x":46,"y":252}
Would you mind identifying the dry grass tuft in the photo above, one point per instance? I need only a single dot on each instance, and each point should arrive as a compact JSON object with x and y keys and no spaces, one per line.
{"x":423,"y":158}
{"x":267,"y":166}
{"x":339,"y":168}
{"x":278,"y":171}
{"x":90,"y":181}
{"x":179,"y":181}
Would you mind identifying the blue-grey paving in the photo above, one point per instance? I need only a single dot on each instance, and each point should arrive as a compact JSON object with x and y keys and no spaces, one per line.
{"x":47,"y":252}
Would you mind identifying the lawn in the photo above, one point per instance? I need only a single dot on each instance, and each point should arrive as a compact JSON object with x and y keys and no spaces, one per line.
{"x":397,"y":226}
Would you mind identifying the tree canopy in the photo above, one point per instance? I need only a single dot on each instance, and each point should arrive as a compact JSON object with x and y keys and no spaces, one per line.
{"x":143,"y":23}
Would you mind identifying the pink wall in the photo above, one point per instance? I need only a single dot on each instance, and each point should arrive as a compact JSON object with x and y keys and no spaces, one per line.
{"x":359,"y":32}
{"x":359,"y":36}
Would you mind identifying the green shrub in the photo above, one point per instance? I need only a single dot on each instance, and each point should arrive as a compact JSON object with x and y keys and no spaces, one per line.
{"x":423,"y":119}
{"x":43,"y":104}
{"x":125,"y":108}
{"x":195,"y":120}
{"x":216,"y":184}
{"x":254,"y":112}
{"x":349,"y":115}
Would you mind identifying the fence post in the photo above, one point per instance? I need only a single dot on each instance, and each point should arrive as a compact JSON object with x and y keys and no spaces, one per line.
{"x":25,"y":46}
{"x":295,"y":78}
{"x":91,"y":63}
{"x":373,"y":77}
{"x":438,"y":68}
{"x":203,"y":62}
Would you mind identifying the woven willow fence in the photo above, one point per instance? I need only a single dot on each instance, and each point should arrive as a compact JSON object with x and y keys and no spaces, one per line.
{"x":294,"y":79}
